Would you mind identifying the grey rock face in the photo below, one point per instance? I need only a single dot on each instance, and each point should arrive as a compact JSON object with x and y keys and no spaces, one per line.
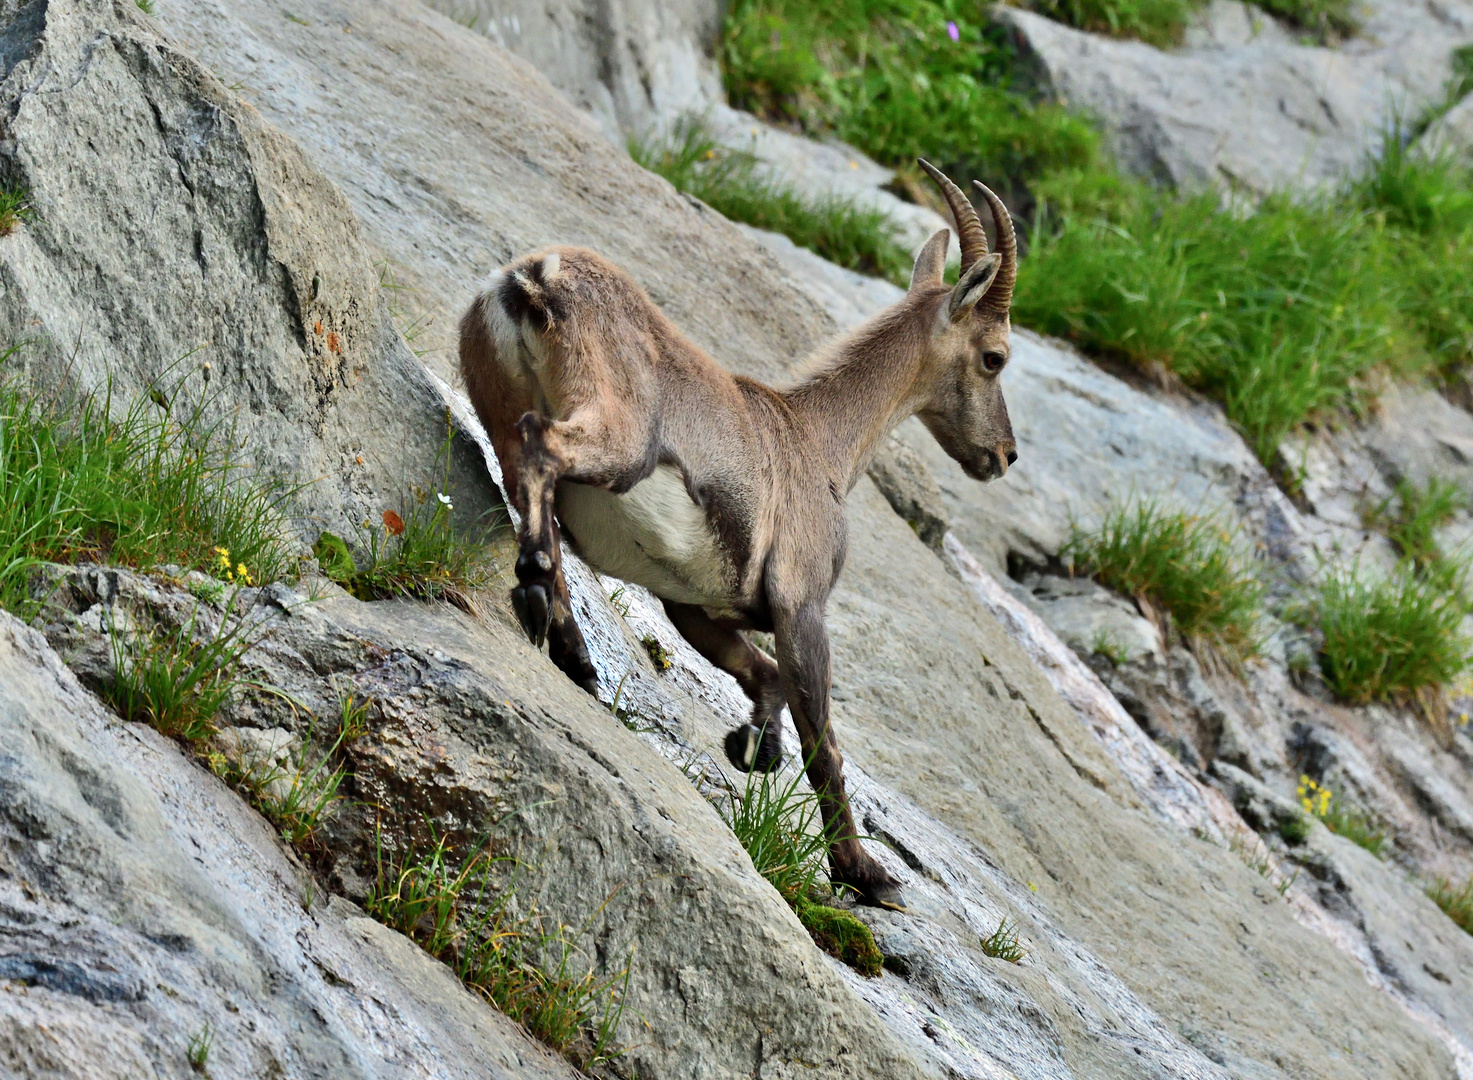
{"x":630,"y":64}
{"x":144,"y":902}
{"x":180,"y":243}
{"x":824,"y":171}
{"x":1088,"y":439}
{"x":473,"y":735}
{"x":1153,"y":952}
{"x":1250,"y":110}
{"x":1090,"y":618}
{"x":1451,"y":134}
{"x":912,"y":492}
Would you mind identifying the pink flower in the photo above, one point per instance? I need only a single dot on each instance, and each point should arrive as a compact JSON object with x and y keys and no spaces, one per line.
{"x":952,"y":32}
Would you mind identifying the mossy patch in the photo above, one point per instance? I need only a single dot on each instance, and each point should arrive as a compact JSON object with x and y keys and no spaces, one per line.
{"x":1295,"y":830}
{"x":842,"y":936}
{"x":659,"y":655}
{"x":334,"y":559}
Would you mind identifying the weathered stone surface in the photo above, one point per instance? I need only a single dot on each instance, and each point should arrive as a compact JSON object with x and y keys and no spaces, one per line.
{"x":630,"y":64}
{"x":143,"y":902}
{"x":1451,"y":133}
{"x":1092,"y":619}
{"x":473,"y":735}
{"x":1089,"y":439}
{"x":912,"y":492}
{"x":824,"y":171}
{"x":1246,"y":111}
{"x":178,"y":241}
{"x":1153,"y":952}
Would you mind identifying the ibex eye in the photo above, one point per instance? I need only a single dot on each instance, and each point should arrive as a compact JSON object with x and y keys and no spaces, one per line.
{"x":992,"y":362}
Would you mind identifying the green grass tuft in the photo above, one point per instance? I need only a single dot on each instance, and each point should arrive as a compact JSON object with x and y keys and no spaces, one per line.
{"x":1388,"y":639}
{"x":352,"y":716}
{"x":1282,"y":314}
{"x":1163,"y":22}
{"x":157,"y":485}
{"x":1295,"y":830}
{"x":419,"y":553}
{"x":1326,"y":19}
{"x":658,"y":654}
{"x":198,"y":1050}
{"x":1002,"y":943}
{"x":526,"y":966}
{"x":15,"y":207}
{"x":1419,"y":513}
{"x":1457,"y":902}
{"x":779,"y":825}
{"x":1279,"y":315}
{"x":1159,"y":22}
{"x":1320,"y":802}
{"x":297,"y":811}
{"x":899,"y":79}
{"x":173,"y":682}
{"x":1184,"y":564}
{"x":841,"y":231}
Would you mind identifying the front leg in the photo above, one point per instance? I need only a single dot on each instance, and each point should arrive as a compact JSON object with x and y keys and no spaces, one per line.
{"x":803,"y":661}
{"x":587,"y":449}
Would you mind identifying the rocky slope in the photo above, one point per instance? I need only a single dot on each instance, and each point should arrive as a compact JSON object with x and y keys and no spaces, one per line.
{"x":1250,"y":105}
{"x":998,"y":777}
{"x":146,"y":906}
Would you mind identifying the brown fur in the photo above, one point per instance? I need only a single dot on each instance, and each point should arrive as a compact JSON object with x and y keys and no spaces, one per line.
{"x":580,"y":379}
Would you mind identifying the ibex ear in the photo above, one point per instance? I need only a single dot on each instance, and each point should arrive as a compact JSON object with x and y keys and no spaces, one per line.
{"x":931,"y":262}
{"x":974,"y":285}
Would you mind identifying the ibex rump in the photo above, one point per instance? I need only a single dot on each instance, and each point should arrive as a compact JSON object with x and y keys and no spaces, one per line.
{"x":721,"y":495}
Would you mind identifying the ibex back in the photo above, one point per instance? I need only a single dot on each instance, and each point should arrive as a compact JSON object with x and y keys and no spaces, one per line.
{"x":723,"y":496}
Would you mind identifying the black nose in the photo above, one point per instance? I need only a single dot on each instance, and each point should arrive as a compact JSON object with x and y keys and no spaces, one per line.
{"x":1012,"y":456}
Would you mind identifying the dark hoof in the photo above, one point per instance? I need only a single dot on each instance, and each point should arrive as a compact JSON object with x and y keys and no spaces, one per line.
{"x":533,"y":605}
{"x":567,"y":649}
{"x":876,"y":889}
{"x":532,"y":597}
{"x":886,"y":896}
{"x":754,"y":749}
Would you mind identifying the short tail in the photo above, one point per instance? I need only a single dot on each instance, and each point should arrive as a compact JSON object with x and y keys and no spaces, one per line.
{"x":527,"y":292}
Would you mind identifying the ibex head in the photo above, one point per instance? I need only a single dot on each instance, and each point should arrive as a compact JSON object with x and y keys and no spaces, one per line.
{"x":969,"y":336}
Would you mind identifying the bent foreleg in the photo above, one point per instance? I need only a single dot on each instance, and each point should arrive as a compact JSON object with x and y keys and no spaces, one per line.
{"x":584,"y":449}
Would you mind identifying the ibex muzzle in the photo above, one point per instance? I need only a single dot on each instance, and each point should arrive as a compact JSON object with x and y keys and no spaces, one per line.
{"x":722,"y":496}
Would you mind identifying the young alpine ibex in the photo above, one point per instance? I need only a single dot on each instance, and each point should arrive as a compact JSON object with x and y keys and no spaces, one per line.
{"x":722,"y":496}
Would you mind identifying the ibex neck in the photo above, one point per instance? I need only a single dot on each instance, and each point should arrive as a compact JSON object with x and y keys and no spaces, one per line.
{"x":864,"y":385}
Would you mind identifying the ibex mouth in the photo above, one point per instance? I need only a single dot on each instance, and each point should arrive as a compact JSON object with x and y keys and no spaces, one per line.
{"x":989,"y":465}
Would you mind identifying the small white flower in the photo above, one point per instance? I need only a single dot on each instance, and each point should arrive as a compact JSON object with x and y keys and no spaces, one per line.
{"x":444,"y":499}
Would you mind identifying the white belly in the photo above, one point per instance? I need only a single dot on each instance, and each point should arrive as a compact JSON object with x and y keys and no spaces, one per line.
{"x":653,"y":535}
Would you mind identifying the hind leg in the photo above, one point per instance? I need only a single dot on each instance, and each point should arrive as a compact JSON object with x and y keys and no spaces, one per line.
{"x":757,"y":744}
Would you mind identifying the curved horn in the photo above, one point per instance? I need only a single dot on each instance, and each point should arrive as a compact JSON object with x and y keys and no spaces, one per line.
{"x":968,"y":227}
{"x":1001,"y":294}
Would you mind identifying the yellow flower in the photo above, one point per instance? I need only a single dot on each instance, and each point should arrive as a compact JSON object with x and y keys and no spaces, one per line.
{"x":240,"y":572}
{"x":222,"y":558}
